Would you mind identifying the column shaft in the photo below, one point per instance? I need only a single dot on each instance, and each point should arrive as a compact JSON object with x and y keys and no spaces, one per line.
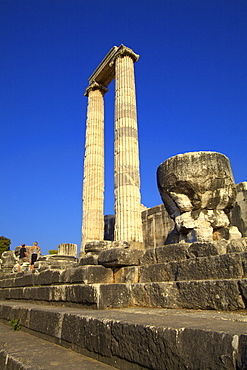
{"x":128,"y":224}
{"x":93,"y":183}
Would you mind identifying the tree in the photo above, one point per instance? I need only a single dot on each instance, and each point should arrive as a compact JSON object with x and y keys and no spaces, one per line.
{"x":4,"y":244}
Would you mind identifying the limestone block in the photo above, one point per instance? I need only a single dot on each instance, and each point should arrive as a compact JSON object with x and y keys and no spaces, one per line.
{"x":157,"y":294}
{"x":237,"y":245}
{"x":86,"y":295}
{"x":27,"y":279}
{"x":89,"y":259}
{"x":44,"y":322}
{"x":202,"y":249}
{"x":151,"y":273}
{"x":87,"y":275}
{"x":126,"y":275}
{"x":85,"y":332}
{"x":212,"y":267}
{"x":120,"y":244}
{"x":243,"y":289}
{"x":37,"y":293}
{"x":149,"y":257}
{"x":48,"y":277}
{"x":120,"y":257}
{"x":113,"y":296}
{"x":238,"y":214}
{"x":7,"y":283}
{"x":95,"y":247}
{"x":156,"y":225}
{"x":8,"y":259}
{"x":216,"y":295}
{"x":171,"y":252}
{"x":99,"y":274}
{"x":227,"y":233}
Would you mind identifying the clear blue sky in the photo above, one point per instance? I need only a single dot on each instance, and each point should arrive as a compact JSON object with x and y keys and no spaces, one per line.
{"x":191,"y":82}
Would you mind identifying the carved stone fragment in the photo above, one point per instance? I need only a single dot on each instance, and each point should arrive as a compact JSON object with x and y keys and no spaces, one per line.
{"x":198,"y":191}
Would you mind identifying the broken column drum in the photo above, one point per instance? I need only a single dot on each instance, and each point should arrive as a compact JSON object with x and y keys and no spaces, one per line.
{"x":198,"y":191}
{"x":118,"y":64}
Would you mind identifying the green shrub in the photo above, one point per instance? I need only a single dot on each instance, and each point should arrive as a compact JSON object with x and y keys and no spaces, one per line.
{"x":53,"y":251}
{"x":4,"y":244}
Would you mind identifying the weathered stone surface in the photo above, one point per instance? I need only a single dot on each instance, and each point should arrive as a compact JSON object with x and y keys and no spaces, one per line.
{"x":7,"y":261}
{"x":157,"y":295}
{"x":210,"y":295}
{"x":154,"y":339}
{"x":243,"y":288}
{"x":156,"y":225}
{"x":45,"y":323}
{"x":95,"y":247}
{"x":89,"y":259}
{"x":85,"y":295}
{"x":197,"y":189}
{"x":197,"y":180}
{"x":55,"y":356}
{"x":120,"y":257}
{"x":120,"y":244}
{"x":237,"y":245}
{"x":151,"y":273}
{"x":67,"y":249}
{"x":212,"y":267}
{"x":238,"y":214}
{"x":229,"y":266}
{"x":48,"y":277}
{"x":172,"y":252}
{"x":149,"y":257}
{"x":113,"y":296}
{"x":126,"y":275}
{"x":202,"y":250}
{"x":87,"y":275}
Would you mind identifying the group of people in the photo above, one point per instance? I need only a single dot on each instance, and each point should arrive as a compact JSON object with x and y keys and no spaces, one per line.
{"x":24,"y":257}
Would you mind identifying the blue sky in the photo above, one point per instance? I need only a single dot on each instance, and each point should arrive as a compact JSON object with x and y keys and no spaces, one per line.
{"x":191,"y":83}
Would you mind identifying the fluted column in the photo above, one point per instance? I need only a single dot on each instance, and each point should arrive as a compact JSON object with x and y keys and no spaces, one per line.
{"x":128,"y":224}
{"x":93,"y":183}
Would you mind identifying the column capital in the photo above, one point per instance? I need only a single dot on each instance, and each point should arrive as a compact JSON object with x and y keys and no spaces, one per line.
{"x":96,"y":86}
{"x":123,"y":51}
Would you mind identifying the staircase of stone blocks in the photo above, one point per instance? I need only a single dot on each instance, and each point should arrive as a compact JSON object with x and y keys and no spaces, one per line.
{"x":177,"y":306}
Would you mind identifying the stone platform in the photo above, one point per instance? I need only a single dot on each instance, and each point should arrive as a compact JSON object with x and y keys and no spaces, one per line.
{"x":135,"y":338}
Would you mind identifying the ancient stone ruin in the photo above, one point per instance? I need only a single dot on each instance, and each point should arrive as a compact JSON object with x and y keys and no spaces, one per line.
{"x":198,"y":191}
{"x":168,"y":288}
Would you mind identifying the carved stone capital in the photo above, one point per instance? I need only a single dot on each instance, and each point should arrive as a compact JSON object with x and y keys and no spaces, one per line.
{"x":96,"y":86}
{"x":123,"y":51}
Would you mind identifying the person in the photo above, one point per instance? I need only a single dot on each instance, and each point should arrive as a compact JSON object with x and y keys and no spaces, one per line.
{"x":23,"y":256}
{"x":35,"y":249}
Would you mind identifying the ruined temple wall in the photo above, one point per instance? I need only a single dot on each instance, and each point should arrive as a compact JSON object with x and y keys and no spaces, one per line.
{"x":156,"y":225}
{"x":238,"y":215}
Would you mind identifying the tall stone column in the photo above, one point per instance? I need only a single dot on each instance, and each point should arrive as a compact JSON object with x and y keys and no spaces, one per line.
{"x":93,"y":183}
{"x":128,"y":224}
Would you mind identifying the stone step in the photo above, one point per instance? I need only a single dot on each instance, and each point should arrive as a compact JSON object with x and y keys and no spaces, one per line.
{"x":227,"y":294}
{"x":225,"y":266}
{"x":22,"y":351}
{"x":133,"y":338}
